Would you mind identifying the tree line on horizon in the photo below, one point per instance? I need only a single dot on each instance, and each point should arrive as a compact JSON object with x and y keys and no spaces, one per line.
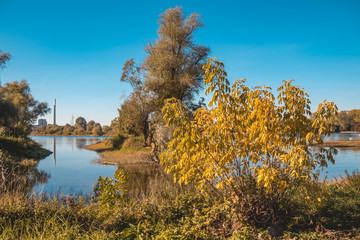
{"x":81,"y":128}
{"x":347,"y":121}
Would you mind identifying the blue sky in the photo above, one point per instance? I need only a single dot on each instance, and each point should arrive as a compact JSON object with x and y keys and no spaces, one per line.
{"x":74,"y":50}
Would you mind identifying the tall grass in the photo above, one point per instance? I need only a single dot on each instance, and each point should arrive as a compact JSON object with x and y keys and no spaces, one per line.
{"x":164,"y":210}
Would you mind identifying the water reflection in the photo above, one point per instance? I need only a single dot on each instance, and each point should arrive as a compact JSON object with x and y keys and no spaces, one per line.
{"x":147,"y":179}
{"x":81,"y":142}
{"x":343,"y":137}
{"x":22,"y":177}
{"x":71,"y":168}
{"x":54,"y":151}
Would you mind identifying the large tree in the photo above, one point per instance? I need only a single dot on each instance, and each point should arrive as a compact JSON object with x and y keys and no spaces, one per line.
{"x":172,"y":68}
{"x":174,"y":62}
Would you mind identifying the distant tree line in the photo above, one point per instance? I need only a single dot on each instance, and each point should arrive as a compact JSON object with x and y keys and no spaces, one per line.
{"x":348,"y":121}
{"x":81,"y":128}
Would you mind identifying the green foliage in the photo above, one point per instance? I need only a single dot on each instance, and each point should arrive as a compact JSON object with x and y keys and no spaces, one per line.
{"x":20,"y":147}
{"x":341,"y":208}
{"x":17,"y":95}
{"x":172,"y":68}
{"x":133,"y":142}
{"x":133,"y":117}
{"x":248,"y":147}
{"x":348,"y":120}
{"x":109,"y":190}
{"x":80,"y":122}
{"x":117,"y":141}
{"x":174,"y":62}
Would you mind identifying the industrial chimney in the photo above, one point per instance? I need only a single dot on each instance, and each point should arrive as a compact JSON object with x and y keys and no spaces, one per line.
{"x":54,"y":111}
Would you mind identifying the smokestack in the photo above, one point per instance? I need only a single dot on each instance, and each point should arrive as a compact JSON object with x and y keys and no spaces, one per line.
{"x":54,"y":120}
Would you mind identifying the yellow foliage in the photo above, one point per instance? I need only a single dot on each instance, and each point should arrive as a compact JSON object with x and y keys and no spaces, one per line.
{"x":247,"y":132}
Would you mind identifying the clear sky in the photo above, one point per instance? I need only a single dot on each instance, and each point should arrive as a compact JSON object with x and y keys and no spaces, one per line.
{"x":74,"y":50}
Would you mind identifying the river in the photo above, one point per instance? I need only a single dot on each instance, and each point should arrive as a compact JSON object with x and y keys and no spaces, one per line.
{"x":73,"y":170}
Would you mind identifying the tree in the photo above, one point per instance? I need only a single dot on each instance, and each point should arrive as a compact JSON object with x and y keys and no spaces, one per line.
{"x":355,"y":114}
{"x":135,"y":111}
{"x":251,"y":149}
{"x":90,"y":126}
{"x":4,"y":57}
{"x":8,"y":114}
{"x":171,"y":69}
{"x":7,"y":109}
{"x":174,"y":64}
{"x":28,"y":109}
{"x":96,"y":131}
{"x":345,"y":121}
{"x":80,"y":122}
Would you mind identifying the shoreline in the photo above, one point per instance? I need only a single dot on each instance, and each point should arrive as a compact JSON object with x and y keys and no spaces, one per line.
{"x":342,"y":144}
{"x":62,"y":135}
{"x":110,"y":156}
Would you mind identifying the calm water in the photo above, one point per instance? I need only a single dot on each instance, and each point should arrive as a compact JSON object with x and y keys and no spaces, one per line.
{"x":346,"y":159}
{"x":71,"y":169}
{"x":343,"y":137}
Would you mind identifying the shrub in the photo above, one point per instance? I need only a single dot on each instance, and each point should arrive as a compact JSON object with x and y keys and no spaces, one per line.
{"x":251,"y":149}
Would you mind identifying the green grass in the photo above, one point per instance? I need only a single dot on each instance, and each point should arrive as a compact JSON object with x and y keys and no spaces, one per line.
{"x":172,"y":213}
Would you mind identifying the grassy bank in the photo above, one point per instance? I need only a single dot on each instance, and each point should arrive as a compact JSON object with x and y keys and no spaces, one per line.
{"x":18,"y":160}
{"x":176,"y":213}
{"x":125,"y":155}
{"x":22,"y":147}
{"x":99,"y":146}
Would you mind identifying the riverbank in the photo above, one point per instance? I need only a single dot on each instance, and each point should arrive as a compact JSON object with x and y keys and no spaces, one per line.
{"x":71,"y":135}
{"x":342,"y":144}
{"x":168,"y":213}
{"x":21,"y":148}
{"x":110,"y":156}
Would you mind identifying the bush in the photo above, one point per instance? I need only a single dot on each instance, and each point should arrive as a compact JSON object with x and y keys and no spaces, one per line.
{"x":252,"y":149}
{"x":117,"y":141}
{"x":134,"y":142}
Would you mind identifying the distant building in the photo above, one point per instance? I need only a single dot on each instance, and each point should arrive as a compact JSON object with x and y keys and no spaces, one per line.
{"x":42,"y":122}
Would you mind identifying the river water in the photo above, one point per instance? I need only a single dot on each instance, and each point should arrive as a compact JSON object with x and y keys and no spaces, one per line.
{"x":72,"y":170}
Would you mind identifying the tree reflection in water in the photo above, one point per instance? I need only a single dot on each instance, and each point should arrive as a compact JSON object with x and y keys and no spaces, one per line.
{"x":20,"y":175}
{"x":81,"y":142}
{"x":144,"y":180}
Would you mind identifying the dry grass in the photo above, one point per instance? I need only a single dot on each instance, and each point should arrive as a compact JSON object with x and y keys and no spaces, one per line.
{"x":110,"y":156}
{"x":342,"y":144}
{"x":99,"y":147}
{"x":119,"y":157}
